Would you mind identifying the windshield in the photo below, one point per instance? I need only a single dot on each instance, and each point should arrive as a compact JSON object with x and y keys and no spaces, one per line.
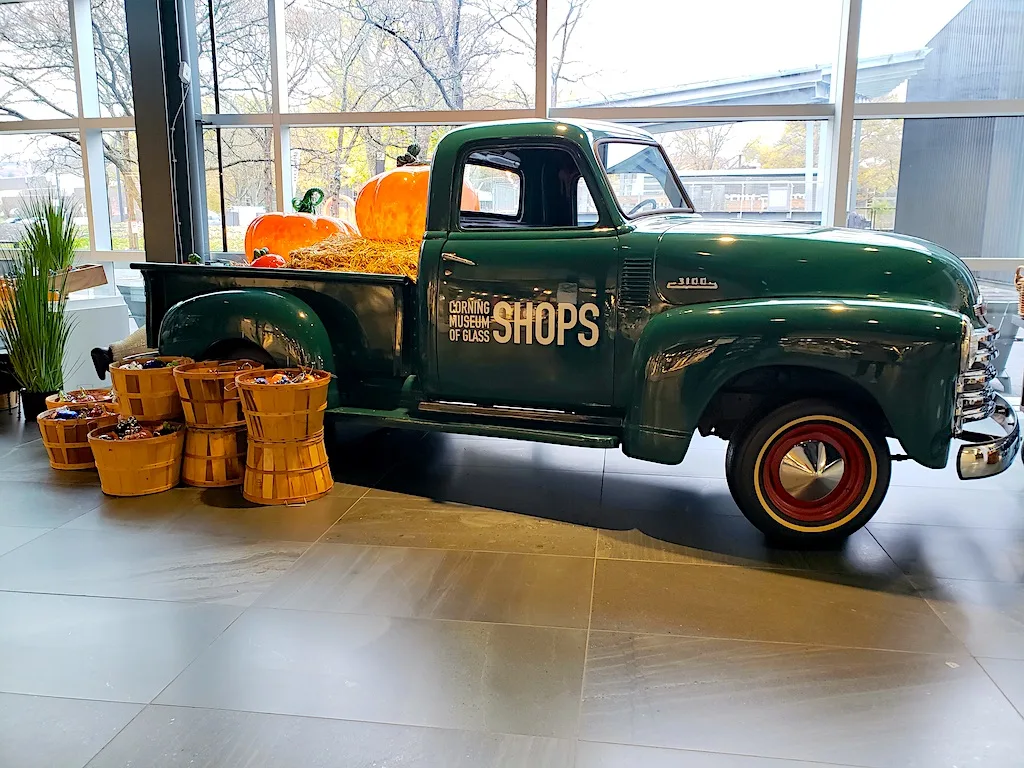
{"x":640,"y":178}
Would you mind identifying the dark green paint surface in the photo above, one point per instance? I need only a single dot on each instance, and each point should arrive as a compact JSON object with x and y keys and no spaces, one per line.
{"x":886,"y":312}
{"x":905,"y":356}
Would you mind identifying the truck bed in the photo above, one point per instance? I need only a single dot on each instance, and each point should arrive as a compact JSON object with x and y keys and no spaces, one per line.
{"x":369,"y":318}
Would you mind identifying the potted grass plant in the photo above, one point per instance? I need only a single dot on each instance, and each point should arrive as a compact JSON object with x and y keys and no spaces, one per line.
{"x":34,"y":325}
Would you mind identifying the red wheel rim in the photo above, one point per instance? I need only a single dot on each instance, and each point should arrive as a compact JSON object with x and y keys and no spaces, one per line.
{"x":832,"y":461}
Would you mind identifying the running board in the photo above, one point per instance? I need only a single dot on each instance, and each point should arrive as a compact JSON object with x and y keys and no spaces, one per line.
{"x":400,"y":418}
{"x":511,"y":413}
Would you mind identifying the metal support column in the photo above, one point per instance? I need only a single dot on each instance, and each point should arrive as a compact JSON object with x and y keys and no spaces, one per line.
{"x":90,"y":140}
{"x":162,"y":51}
{"x":543,"y":62}
{"x":851,"y":204}
{"x":281,"y":134}
{"x":840,"y":127}
{"x":810,"y":203}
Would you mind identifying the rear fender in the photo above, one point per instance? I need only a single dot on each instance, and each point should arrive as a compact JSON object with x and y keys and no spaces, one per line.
{"x":281,"y":324}
{"x":904,"y":356}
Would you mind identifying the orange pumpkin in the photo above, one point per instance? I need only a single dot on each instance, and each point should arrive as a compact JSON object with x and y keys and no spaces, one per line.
{"x":284,"y":232}
{"x":393,"y":205}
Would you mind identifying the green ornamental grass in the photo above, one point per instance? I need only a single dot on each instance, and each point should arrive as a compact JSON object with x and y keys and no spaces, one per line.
{"x":33,"y":323}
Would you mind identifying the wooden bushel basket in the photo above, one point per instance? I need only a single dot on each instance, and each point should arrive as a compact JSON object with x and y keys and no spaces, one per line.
{"x":287,"y":473}
{"x":149,"y":394}
{"x":137,"y":467}
{"x":209,"y":397}
{"x":102,"y":396}
{"x":214,"y":458}
{"x":283,"y":412}
{"x":67,"y":440}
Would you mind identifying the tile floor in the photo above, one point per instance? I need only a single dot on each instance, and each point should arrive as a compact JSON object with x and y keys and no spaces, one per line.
{"x":467,"y":603}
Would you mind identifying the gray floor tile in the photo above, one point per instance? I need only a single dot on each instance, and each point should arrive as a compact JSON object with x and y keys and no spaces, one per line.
{"x":13,"y":537}
{"x":555,"y":494}
{"x":910,"y":473}
{"x":494,"y":677}
{"x":44,"y":505}
{"x":97,"y":648}
{"x":780,"y":606}
{"x":987,"y":616}
{"x":710,"y":539}
{"x":358,"y":454}
{"x":832,"y":705}
{"x":353,"y":491}
{"x":148,"y":564}
{"x":468,"y":451}
{"x":29,"y":463}
{"x":415,"y":522}
{"x":501,"y":587}
{"x":666,"y":494}
{"x":14,"y":431}
{"x":1008,"y":674}
{"x":968,"y":506}
{"x":930,"y":552}
{"x":697,"y":463}
{"x":217,"y":511}
{"x":175,"y":737}
{"x":593,"y":755}
{"x":43,"y":732}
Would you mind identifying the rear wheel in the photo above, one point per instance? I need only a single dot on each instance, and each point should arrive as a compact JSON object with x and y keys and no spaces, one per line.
{"x":808,"y":472}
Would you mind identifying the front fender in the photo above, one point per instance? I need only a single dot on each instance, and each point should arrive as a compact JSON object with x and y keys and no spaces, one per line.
{"x":905,"y":356}
{"x":279,"y":323}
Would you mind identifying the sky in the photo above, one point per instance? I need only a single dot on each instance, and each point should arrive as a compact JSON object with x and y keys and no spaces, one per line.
{"x":689,"y":41}
{"x":647,"y":45}
{"x":658,"y":44}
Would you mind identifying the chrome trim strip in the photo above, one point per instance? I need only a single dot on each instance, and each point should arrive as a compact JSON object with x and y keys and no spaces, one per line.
{"x":988,"y":455}
{"x":984,"y":355}
{"x":976,"y":377}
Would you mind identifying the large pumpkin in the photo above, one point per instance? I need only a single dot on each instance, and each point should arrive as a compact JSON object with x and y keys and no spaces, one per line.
{"x":282,"y":233}
{"x":393,"y":205}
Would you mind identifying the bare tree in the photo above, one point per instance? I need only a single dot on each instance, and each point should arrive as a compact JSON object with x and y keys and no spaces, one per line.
{"x":518,"y":22}
{"x":700,"y":149}
{"x":561,"y":38}
{"x":342,"y":56}
{"x":37,"y":77}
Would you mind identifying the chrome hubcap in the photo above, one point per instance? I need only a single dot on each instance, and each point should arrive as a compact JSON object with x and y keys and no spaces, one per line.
{"x":811,"y":470}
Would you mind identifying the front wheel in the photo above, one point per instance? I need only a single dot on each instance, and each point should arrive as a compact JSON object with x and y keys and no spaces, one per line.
{"x":808,"y":472}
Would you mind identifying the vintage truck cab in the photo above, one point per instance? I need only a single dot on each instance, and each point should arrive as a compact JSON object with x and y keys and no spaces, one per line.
{"x":588,"y":304}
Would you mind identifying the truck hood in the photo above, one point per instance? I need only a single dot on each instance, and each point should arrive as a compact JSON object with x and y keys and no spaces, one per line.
{"x":700,"y":260}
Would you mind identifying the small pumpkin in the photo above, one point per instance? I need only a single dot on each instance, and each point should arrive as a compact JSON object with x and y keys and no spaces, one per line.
{"x":284,"y":232}
{"x":393,"y":205}
{"x":262,"y":257}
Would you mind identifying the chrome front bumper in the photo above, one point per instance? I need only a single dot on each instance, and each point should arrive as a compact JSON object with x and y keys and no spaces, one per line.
{"x":987,"y":455}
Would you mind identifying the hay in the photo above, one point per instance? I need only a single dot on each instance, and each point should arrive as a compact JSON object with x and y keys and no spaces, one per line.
{"x":342,"y":253}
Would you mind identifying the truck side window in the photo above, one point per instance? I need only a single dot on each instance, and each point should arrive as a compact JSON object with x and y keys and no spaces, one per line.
{"x":524,"y":187}
{"x":586,"y":208}
{"x":491,"y":190}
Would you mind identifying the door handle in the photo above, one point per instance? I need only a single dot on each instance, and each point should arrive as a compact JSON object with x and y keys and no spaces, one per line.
{"x":449,"y":256}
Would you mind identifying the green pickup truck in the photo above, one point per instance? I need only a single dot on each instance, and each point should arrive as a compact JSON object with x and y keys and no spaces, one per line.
{"x":584,"y":302}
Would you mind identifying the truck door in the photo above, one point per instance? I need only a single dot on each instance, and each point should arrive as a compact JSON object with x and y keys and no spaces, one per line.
{"x":524,"y":311}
